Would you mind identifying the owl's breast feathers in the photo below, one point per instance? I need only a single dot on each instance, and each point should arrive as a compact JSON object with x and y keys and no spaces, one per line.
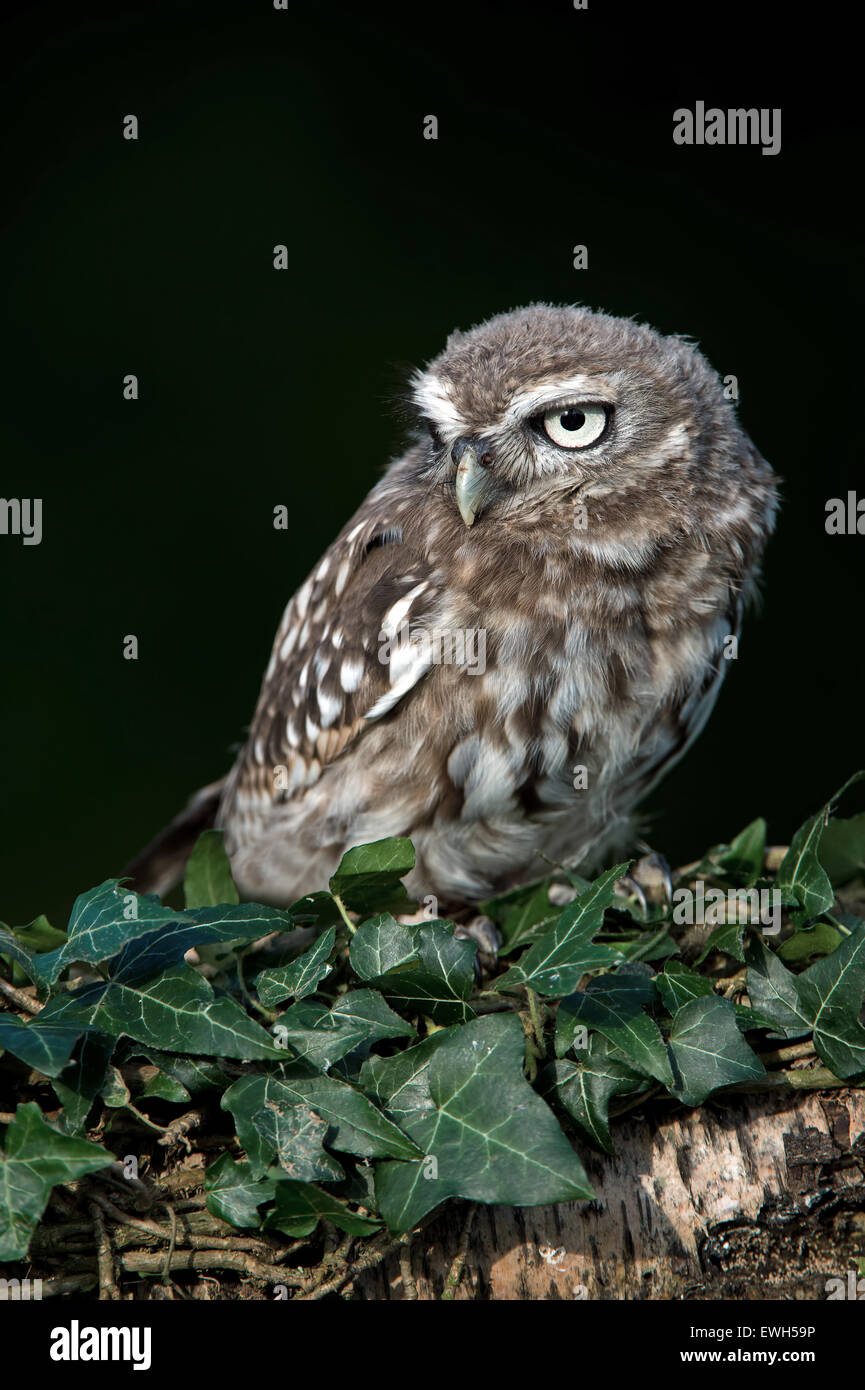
{"x":491,"y":692}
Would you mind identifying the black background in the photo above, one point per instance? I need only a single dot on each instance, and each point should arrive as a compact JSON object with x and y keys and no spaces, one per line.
{"x":259,"y":387}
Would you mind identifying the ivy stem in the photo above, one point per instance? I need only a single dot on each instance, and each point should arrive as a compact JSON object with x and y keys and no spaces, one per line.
{"x":537,"y":1022}
{"x":343,"y":914}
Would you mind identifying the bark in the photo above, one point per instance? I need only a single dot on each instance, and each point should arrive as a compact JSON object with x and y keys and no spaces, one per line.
{"x":748,"y":1197}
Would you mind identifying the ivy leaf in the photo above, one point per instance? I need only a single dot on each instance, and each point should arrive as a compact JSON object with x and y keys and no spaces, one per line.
{"x":12,"y":949}
{"x":774,"y":993}
{"x":301,"y":977}
{"x":208,"y":880}
{"x":354,"y":1124}
{"x":164,"y":1087}
{"x":101,"y":923}
{"x":321,"y":1035}
{"x":39,"y":935}
{"x":729,"y":937}
{"x":707,"y":1050}
{"x":368,"y":877}
{"x":808,"y":942}
{"x":316,"y":910}
{"x":802,"y":879}
{"x":831,"y":993}
{"x":111,"y":919}
{"x":678,"y":985}
{"x":196,"y":1075}
{"x":37,"y":1157}
{"x":174,"y":1011}
{"x":297,"y":1134}
{"x":742,"y":860}
{"x":234,"y":1193}
{"x":429,"y":971}
{"x":525,"y":920}
{"x":561,"y":956}
{"x":380,"y":945}
{"x":842,"y":849}
{"x":486,"y":1134}
{"x":299,"y":1207}
{"x":228,"y":925}
{"x":41,"y":1044}
{"x":79,"y":1084}
{"x":613,"y":1005}
{"x":586,"y":1088}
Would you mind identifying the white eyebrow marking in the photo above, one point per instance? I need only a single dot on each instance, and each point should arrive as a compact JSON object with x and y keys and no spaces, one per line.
{"x":432,"y":399}
{"x":529,"y":402}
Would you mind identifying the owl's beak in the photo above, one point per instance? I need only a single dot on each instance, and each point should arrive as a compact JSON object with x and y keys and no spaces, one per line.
{"x":473,"y":479}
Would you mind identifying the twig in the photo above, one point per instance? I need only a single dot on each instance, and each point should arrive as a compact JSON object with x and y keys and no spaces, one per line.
{"x":455,"y":1274}
{"x":108,"y":1290}
{"x":177,"y":1131}
{"x":172,"y":1243}
{"x":19,"y":998}
{"x":788,"y":1054}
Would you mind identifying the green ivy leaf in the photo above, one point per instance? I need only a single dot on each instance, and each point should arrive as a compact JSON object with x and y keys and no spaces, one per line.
{"x":380,"y":945}
{"x":208,"y":881}
{"x":729,"y":937}
{"x":427,"y":971}
{"x":174,"y":1011}
{"x":526,"y":920}
{"x":802,"y":879}
{"x":492,"y":1138}
{"x":297,"y":1135}
{"x":11,"y":948}
{"x":707,"y":1050}
{"x":742,"y":860}
{"x":80,"y":1083}
{"x":613,"y":1005}
{"x":37,"y":1157}
{"x":354,"y":1124}
{"x":586,"y":1088}
{"x":321,"y":1036}
{"x":368,"y":877}
{"x":301,"y":977}
{"x":842,"y":849}
{"x":773,"y":991}
{"x":561,"y":956}
{"x":831,"y":994}
{"x":808,"y":942}
{"x":299,"y":1207}
{"x":41,"y":1044}
{"x":234,"y":1193}
{"x":195,"y":1075}
{"x":678,"y":985}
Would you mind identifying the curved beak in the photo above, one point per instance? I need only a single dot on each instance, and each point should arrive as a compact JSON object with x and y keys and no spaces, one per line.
{"x":473,"y":479}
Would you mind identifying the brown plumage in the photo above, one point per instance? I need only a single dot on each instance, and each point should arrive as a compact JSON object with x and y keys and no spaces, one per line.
{"x":543,"y":583}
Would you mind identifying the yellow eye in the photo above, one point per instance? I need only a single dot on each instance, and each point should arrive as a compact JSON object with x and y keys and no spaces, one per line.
{"x":575,"y":426}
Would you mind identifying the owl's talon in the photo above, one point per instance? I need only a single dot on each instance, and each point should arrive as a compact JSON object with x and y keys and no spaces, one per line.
{"x":653,"y":873}
{"x":487,"y":937}
{"x":628,"y":887}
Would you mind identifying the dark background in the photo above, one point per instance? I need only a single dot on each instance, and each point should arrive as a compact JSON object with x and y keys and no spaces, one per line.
{"x":259,"y":388}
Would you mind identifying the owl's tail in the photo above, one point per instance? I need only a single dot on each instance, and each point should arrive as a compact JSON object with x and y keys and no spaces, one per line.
{"x":161,"y":864}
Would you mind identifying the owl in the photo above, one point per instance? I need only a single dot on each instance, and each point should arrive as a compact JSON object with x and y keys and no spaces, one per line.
{"x":522,"y":628}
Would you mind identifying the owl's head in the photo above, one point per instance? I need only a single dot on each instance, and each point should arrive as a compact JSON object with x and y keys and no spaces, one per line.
{"x":552,"y":403}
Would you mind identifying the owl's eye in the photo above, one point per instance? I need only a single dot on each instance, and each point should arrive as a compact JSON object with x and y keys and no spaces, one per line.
{"x":575,"y":426}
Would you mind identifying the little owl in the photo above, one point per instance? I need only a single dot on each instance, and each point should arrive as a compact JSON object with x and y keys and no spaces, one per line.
{"x":522,"y":628}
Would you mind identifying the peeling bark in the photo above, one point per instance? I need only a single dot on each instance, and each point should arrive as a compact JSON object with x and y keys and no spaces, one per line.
{"x":748,"y":1197}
